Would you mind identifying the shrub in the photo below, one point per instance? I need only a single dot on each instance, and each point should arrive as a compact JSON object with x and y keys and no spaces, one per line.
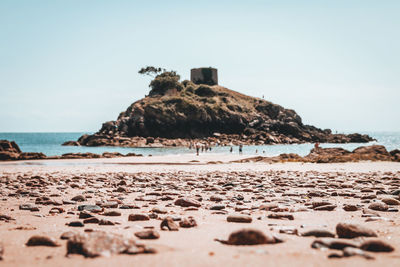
{"x":205,"y":90}
{"x":165,"y":81}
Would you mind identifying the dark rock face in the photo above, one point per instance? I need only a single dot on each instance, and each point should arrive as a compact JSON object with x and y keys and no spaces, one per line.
{"x":9,"y":146}
{"x":200,"y":111}
{"x":11,"y":151}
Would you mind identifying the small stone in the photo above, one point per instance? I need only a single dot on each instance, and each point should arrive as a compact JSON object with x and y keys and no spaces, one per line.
{"x":55,"y":210}
{"x":78,"y":198}
{"x":169,"y":224}
{"x":326,"y":207}
{"x":138,"y":217}
{"x":33,"y":209}
{"x":85,"y":215}
{"x":391,"y":201}
{"x":148,"y":234}
{"x":186,"y":202}
{"x":26,"y":206}
{"x":4,"y":217}
{"x":159,"y":210}
{"x":128,"y":207}
{"x":281,"y":216}
{"x":106,"y":222}
{"x":239,"y":219}
{"x":376,"y":245}
{"x":91,"y":220}
{"x":349,"y":207}
{"x":317,"y":204}
{"x":110,"y":205}
{"x":248,"y":237}
{"x":76,"y":224}
{"x":216,"y":198}
{"x":92,"y":208}
{"x":347,"y":230}
{"x":38,"y":240}
{"x":318,"y":233}
{"x":113,"y":213}
{"x":67,"y":235}
{"x":379,"y":206}
{"x":217,"y":207}
{"x":188,"y":222}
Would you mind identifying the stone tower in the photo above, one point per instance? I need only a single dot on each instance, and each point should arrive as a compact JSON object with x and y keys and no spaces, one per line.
{"x":207,"y":76}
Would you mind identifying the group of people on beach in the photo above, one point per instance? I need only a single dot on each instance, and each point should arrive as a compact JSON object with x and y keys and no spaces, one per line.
{"x":204,"y":147}
{"x":200,"y":146}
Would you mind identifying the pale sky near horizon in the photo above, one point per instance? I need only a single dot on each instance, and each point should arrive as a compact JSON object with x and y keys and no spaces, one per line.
{"x":72,"y":65}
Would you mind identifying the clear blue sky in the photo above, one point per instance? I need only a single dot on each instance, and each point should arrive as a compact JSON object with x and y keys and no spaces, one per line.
{"x":72,"y":65}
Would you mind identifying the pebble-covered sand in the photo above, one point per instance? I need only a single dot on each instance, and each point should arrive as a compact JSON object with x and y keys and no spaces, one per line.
{"x":180,"y":211}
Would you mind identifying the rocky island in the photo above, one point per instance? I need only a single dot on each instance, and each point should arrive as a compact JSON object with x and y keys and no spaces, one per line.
{"x":179,"y":113}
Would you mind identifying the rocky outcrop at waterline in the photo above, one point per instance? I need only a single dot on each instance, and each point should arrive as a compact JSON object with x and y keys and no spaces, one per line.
{"x":9,"y":150}
{"x":333,"y":155}
{"x":186,"y":112}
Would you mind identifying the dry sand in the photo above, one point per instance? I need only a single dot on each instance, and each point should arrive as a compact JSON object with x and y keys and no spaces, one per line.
{"x":191,"y":176}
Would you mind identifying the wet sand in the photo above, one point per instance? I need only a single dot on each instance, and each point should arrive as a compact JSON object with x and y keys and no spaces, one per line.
{"x":242,"y":188}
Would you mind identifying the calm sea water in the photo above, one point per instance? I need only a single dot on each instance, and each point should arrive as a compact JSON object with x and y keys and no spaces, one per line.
{"x":50,"y":144}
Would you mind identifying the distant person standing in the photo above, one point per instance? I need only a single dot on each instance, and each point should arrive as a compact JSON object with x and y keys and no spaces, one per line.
{"x":231,"y":150}
{"x":316,"y":146}
{"x":240,"y":149}
{"x":197,"y":149}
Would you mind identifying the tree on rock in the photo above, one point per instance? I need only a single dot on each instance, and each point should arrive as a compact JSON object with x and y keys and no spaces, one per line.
{"x":163,"y":81}
{"x":151,"y":71}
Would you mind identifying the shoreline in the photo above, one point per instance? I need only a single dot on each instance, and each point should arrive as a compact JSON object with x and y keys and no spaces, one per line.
{"x":193,"y":162}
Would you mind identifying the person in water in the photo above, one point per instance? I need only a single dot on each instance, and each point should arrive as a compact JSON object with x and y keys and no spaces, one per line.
{"x":240,"y":149}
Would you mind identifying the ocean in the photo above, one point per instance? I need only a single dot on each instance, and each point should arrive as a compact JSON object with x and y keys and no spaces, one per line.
{"x":50,"y":144}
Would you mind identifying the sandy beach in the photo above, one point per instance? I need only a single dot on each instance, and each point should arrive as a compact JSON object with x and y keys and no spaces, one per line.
{"x":153,"y":184}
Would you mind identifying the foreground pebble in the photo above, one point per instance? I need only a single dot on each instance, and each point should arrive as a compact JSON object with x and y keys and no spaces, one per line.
{"x":39,"y":240}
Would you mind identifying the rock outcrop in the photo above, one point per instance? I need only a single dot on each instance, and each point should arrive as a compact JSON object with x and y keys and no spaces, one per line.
{"x":9,"y":150}
{"x":215,"y":114}
{"x":334,"y":155}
